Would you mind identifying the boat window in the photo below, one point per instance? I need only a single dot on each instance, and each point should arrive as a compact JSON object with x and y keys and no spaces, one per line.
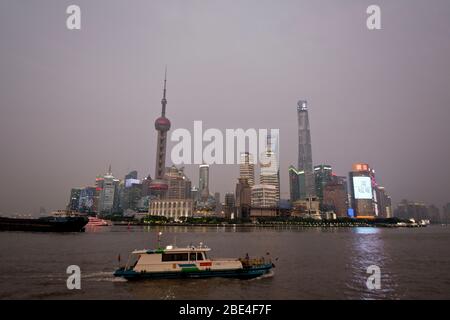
{"x":192,"y":256}
{"x":174,"y":257}
{"x":132,"y":261}
{"x":199,"y":256}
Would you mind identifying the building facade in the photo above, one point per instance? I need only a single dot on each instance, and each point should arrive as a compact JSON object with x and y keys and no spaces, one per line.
{"x":247,"y":168}
{"x":243,"y":199}
{"x":172,"y":209}
{"x":269,"y":166}
{"x":323,"y":174}
{"x":306,"y":208}
{"x":383,"y":203}
{"x":179,"y":186}
{"x":361,"y":190}
{"x":203,"y":182}
{"x":87,"y":200}
{"x":335,"y":198}
{"x":74,"y":200}
{"x":218,"y":204}
{"x":296,"y":184}
{"x":229,"y":205}
{"x":131,"y":193}
{"x":108,"y":201}
{"x":264,"y":196}
{"x":412,"y":210}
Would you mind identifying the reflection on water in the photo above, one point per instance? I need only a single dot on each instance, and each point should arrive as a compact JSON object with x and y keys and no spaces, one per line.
{"x":367,"y":249}
{"x":313,"y":263}
{"x":366,"y":230}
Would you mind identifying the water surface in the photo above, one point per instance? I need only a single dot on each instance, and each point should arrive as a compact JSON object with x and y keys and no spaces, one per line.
{"x":312,"y":263}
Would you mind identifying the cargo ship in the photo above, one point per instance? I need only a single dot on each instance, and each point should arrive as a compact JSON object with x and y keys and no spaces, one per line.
{"x":44,"y":224}
{"x":190,"y":262}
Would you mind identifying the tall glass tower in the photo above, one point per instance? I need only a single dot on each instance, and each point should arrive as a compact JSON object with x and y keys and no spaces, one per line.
{"x":304,"y":148}
{"x":203,"y":182}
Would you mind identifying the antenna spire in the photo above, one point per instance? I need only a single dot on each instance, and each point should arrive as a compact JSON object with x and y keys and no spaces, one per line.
{"x":164,"y":100}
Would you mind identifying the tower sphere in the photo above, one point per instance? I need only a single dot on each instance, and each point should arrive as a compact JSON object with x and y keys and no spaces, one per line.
{"x":162,"y":124}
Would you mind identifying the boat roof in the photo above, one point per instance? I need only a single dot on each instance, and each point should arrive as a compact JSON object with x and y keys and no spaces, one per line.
{"x":172,"y":249}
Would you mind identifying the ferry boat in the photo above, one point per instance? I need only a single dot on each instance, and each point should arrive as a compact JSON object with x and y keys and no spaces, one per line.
{"x":97,"y":222}
{"x":190,"y":262}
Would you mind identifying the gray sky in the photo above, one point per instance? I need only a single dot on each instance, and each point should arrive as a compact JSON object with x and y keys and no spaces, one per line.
{"x":72,"y":102}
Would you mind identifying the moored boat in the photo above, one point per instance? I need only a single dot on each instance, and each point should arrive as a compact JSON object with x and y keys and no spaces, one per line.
{"x":97,"y":222}
{"x":44,"y":224}
{"x":189,"y":262}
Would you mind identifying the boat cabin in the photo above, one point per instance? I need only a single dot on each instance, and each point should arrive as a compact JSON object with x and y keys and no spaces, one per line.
{"x":176,"y":259}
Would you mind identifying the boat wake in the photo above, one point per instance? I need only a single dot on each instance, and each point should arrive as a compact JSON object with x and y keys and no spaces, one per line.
{"x":102,"y":277}
{"x":269,"y":274}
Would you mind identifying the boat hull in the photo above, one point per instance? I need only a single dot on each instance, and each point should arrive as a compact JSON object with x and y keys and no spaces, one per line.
{"x":48,"y":224}
{"x":245,"y":273}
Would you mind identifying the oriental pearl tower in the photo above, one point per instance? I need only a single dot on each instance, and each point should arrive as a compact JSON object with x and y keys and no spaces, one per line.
{"x":159,"y":185}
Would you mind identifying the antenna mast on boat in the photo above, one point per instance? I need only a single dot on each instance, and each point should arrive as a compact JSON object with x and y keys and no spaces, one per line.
{"x":159,"y":239}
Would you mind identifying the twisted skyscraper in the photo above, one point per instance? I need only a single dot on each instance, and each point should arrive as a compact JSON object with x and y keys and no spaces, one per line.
{"x":304,"y":148}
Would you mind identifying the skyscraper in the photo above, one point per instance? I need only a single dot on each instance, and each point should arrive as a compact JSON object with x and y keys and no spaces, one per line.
{"x":229,"y":205}
{"x":335,"y":196}
{"x":243,"y":199}
{"x":247,"y":168}
{"x":87,"y":200}
{"x":264,"y":196}
{"x":270,"y":173}
{"x":412,"y":209}
{"x":296,"y":184}
{"x":218,"y":208}
{"x":361,"y":190}
{"x":146,"y":186}
{"x":74,"y":199}
{"x":108,"y":200}
{"x":179,"y":184}
{"x":159,"y":185}
{"x":322,"y":176}
{"x":131,"y":194}
{"x":203,"y":182}
{"x":383,"y":202}
{"x":131,"y":175}
{"x":304,"y":147}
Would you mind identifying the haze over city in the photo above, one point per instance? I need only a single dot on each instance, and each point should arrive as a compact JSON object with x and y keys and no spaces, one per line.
{"x":72,"y":103}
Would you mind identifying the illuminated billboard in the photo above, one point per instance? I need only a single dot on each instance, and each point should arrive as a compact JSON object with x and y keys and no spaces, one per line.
{"x":130,"y":182}
{"x":362,"y":187}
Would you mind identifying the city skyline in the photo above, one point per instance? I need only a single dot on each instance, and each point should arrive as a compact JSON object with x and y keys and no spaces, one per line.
{"x":102,"y":109}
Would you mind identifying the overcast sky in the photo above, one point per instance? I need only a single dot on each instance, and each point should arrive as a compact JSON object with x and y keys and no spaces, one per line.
{"x":73,"y":102}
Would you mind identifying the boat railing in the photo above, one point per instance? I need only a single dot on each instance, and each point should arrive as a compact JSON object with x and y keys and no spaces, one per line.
{"x":223,"y":259}
{"x":254,"y":262}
